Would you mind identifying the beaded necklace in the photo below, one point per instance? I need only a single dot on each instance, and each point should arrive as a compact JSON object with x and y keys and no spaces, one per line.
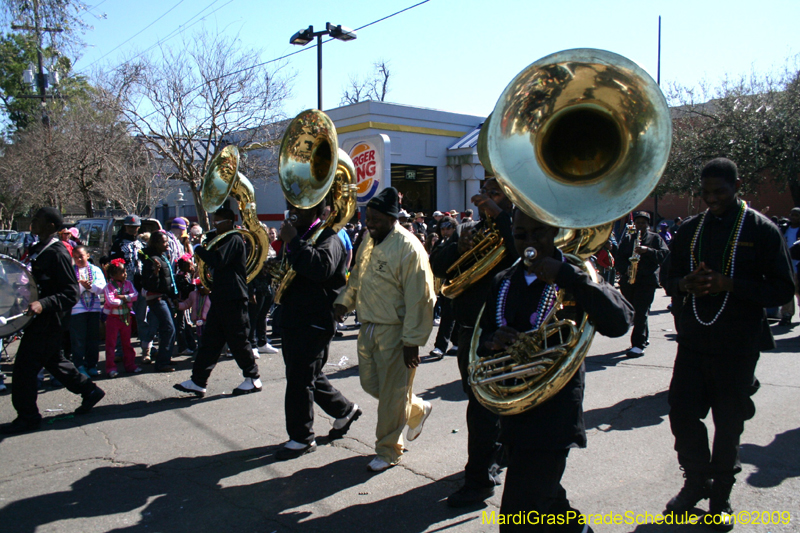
{"x":87,"y":296}
{"x":124,"y":316}
{"x":730,"y":250}
{"x":546,"y":302}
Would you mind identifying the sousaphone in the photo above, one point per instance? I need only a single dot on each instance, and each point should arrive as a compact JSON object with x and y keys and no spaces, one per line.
{"x":576,"y":140}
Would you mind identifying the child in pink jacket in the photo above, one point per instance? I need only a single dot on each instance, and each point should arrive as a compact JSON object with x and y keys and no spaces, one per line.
{"x":120,"y":295}
{"x":199,"y":303}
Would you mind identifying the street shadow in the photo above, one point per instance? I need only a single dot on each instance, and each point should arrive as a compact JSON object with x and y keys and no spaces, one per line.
{"x":410,"y":512}
{"x":605,"y":360}
{"x":132,"y":410}
{"x":629,"y":414}
{"x":448,"y":392}
{"x":775,"y":462}
{"x":340,"y":372}
{"x":786,"y":344}
{"x":673,"y":528}
{"x":216,"y":493}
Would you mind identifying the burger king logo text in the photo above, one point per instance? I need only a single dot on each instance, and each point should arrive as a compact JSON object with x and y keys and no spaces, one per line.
{"x":368,"y":178}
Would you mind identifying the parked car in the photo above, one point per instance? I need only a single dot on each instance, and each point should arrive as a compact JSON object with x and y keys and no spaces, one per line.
{"x":20,"y":245}
{"x":6,"y":238}
{"x":98,"y":233}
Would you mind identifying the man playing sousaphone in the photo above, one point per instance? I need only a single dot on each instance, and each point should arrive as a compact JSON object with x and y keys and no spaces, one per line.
{"x":482,"y":469}
{"x":308,"y":326}
{"x":537,"y":440}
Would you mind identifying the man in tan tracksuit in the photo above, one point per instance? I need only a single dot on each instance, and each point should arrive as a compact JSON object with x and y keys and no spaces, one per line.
{"x":391,"y":287}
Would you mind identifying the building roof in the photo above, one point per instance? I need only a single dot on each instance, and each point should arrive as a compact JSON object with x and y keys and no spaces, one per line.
{"x":470,"y":140}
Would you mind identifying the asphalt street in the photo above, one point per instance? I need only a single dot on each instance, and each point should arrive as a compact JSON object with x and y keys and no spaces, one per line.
{"x":150,"y":459}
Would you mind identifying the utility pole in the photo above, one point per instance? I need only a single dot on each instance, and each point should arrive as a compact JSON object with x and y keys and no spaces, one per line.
{"x":41,"y":80}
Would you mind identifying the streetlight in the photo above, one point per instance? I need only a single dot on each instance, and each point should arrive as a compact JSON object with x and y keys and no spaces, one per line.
{"x":303,"y":37}
{"x":179,"y":199}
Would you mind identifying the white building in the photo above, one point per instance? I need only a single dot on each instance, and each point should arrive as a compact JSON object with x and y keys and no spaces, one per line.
{"x":428,"y":155}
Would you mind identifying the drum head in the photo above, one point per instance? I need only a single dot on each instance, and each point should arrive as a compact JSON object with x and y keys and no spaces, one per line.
{"x":17,"y":290}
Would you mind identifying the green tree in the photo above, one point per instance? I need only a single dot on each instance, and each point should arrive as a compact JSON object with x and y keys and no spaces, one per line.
{"x":753,"y":120}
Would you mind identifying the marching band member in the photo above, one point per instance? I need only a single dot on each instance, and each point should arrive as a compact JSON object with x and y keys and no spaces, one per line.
{"x":728,"y":264}
{"x":51,"y":267}
{"x":308,"y":326}
{"x":652,"y":252}
{"x":482,"y":471}
{"x":391,"y":287}
{"x":228,"y":320}
{"x":538,"y":440}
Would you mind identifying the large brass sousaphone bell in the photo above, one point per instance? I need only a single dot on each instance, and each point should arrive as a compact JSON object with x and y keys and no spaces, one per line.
{"x":577,"y":139}
{"x":311,"y":167}
{"x":221,"y":180}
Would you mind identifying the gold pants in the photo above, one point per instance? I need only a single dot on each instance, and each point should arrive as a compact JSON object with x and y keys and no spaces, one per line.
{"x":384,"y":375}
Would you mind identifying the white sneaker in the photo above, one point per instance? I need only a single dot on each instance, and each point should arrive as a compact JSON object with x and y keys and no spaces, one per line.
{"x":255,"y":353}
{"x":268,"y":348}
{"x":378,"y":465}
{"x":415,"y":432}
{"x":293,"y":445}
{"x":190,"y":387}
{"x":437,"y":321}
{"x":248,"y":386}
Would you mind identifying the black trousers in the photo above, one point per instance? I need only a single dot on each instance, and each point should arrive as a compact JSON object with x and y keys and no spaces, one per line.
{"x":533,"y":483}
{"x":446,"y":324}
{"x":483,"y":426}
{"x":41,"y":347}
{"x":227,"y":321}
{"x":641,"y":298}
{"x":258,"y":318}
{"x":723,"y":384}
{"x":305,"y":352}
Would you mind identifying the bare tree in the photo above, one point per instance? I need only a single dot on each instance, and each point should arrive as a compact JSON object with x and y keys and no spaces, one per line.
{"x":374,"y":88}
{"x":192,"y":100}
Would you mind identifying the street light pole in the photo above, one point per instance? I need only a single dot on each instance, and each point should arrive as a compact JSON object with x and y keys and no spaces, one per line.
{"x":303,"y":37}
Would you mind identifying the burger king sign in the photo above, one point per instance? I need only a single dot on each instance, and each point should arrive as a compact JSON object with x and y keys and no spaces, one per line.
{"x":366,"y":159}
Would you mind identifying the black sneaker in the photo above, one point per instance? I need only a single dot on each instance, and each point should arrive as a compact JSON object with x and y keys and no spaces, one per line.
{"x":694,"y":489}
{"x":345,"y":423}
{"x":20,"y":425}
{"x":90,"y":400}
{"x":469,"y":495}
{"x":785,"y":321}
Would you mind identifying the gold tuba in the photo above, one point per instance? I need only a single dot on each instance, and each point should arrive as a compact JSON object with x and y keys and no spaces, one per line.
{"x":577,"y":139}
{"x":222,"y":179}
{"x":311,"y":165}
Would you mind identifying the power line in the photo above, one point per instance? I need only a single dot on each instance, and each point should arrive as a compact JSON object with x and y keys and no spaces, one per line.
{"x":304,"y":49}
{"x":183,"y":27}
{"x":134,"y":35}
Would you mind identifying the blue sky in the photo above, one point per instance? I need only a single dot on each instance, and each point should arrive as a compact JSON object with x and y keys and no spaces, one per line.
{"x":459,"y":55}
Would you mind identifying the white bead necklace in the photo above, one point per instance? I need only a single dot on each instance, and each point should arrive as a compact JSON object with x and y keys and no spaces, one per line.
{"x":732,"y":262}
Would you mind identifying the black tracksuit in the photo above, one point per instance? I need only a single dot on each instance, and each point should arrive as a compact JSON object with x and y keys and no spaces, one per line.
{"x":307,"y":327}
{"x":41,"y":343}
{"x":715,"y":364}
{"x":228,"y":319}
{"x":538,"y":440}
{"x":641,"y":293}
{"x":482,"y":468}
